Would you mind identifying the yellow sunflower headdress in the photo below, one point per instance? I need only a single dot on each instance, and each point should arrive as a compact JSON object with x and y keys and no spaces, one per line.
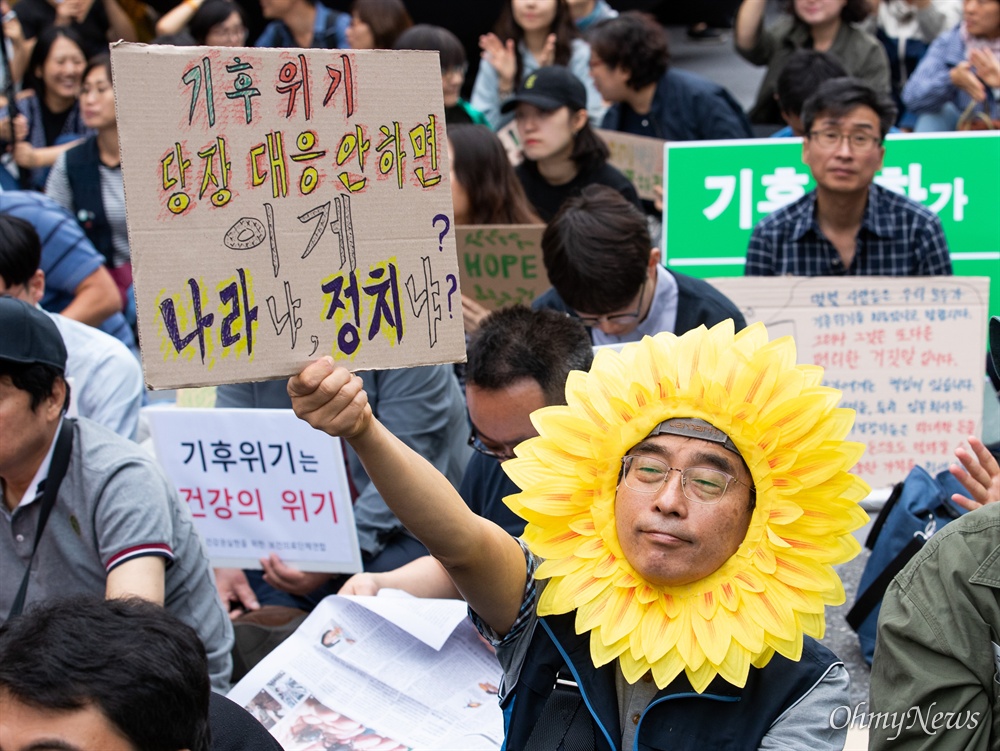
{"x":769,"y":593}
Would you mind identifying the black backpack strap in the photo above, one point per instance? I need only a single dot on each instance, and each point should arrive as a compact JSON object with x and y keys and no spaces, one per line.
{"x":891,"y":501}
{"x":872,"y":596}
{"x":57,"y":470}
{"x":564,"y":722}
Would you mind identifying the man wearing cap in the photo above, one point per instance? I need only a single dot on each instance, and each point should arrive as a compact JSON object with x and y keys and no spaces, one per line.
{"x":116,"y":526}
{"x":937,"y":658}
{"x":641,"y":609}
{"x":562,"y":153}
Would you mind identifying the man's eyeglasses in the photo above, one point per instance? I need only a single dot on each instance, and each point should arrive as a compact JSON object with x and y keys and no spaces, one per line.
{"x":482,"y":448}
{"x":592,"y":321}
{"x":646,"y":474}
{"x":831,"y":139}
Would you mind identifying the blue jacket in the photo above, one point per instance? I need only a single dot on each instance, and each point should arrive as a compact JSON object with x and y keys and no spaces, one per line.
{"x":722,"y":718}
{"x":687,"y":107}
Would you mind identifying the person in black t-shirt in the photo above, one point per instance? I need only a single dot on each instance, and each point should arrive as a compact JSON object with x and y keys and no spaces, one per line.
{"x":562,"y":153}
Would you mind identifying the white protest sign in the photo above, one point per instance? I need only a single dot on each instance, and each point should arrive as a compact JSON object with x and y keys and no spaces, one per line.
{"x":260,"y":481}
{"x":907,"y":353}
{"x":284,"y":205}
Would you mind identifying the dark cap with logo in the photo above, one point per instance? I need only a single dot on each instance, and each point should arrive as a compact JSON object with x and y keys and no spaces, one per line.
{"x":29,"y":336}
{"x":549,"y":89}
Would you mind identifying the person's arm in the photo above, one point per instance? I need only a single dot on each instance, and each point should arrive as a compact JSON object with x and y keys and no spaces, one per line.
{"x":748,"y":31}
{"x":930,"y":86}
{"x":176,"y":19}
{"x":979,"y":473}
{"x":139,"y":577}
{"x":29,"y":157}
{"x":807,"y":724}
{"x":486,"y":564}
{"x":423,"y":577}
{"x":928,"y":660}
{"x":486,"y":96}
{"x":120,"y":26}
{"x":95,"y":299}
{"x":57,"y":187}
{"x":21,"y":48}
{"x":235,"y":592}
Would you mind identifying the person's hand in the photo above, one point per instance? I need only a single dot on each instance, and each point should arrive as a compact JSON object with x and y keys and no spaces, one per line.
{"x":69,"y":11}
{"x":658,"y":199}
{"x":548,"y":56}
{"x":20,"y":127}
{"x":502,"y":56}
{"x":364,"y":583}
{"x":235,"y":592}
{"x":987,"y":66}
{"x":330,"y":399}
{"x":12,"y":27}
{"x":472,"y":314}
{"x":24,"y":153}
{"x":979,"y":473}
{"x":965,"y":79}
{"x":289,"y":579}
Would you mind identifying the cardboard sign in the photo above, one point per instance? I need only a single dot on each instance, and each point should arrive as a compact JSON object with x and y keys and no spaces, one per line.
{"x":284,"y":205}
{"x":907,"y":353}
{"x":260,"y":481}
{"x":640,"y":158}
{"x":716,"y":191}
{"x":501,"y":265}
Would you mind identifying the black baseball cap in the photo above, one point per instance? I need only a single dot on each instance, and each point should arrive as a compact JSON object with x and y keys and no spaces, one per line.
{"x":549,"y":89}
{"x":29,"y":335}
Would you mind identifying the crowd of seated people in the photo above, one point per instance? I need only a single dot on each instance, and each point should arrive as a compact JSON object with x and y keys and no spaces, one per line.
{"x":527,"y":97}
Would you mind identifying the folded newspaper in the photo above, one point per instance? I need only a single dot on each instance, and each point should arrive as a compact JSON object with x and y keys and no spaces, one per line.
{"x":379,"y":674}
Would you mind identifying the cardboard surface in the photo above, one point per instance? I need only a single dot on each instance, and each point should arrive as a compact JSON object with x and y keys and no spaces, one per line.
{"x":501,"y":265}
{"x":284,"y":205}
{"x":907,"y":353}
{"x":640,"y":159}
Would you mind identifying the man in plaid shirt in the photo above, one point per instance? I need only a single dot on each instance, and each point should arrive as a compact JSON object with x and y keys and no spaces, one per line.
{"x":848,"y":225}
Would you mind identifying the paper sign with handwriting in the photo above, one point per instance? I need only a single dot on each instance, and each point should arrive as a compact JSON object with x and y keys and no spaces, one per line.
{"x":284,"y":205}
{"x":639,"y":158}
{"x":501,"y":265}
{"x":906,"y":352}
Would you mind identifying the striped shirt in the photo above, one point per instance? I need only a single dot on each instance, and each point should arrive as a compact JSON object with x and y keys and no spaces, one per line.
{"x":898,"y":237}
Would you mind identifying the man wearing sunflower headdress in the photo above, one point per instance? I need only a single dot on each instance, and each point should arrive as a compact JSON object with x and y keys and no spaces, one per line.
{"x":683,"y":609}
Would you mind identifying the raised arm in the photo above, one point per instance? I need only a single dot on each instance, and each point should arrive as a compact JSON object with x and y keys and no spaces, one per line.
{"x":486,"y":564}
{"x":747,"y":29}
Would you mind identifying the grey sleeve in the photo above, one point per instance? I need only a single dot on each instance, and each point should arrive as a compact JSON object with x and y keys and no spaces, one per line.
{"x":814,"y":722}
{"x":57,"y":184}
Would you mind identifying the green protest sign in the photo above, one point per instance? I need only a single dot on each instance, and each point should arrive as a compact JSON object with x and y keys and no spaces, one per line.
{"x":717,"y":191}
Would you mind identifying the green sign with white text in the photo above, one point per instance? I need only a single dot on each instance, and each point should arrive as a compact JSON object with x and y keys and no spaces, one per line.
{"x":715,"y":192}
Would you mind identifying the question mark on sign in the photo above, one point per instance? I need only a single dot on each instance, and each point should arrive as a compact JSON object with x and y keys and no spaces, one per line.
{"x":454,"y":286}
{"x":447,"y":226}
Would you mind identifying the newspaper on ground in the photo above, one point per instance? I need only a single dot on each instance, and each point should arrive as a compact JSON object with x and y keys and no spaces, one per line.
{"x":362,"y":673}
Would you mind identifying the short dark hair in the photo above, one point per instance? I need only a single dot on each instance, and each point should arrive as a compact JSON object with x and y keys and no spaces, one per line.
{"x":102,"y":60}
{"x":20,"y":250}
{"x":386,"y":18}
{"x":516,"y":342}
{"x":212,"y":13}
{"x":838,"y":96}
{"x":37,"y":378}
{"x":145,"y":670}
{"x":43,"y":46}
{"x":596,"y":250}
{"x":802,"y":75}
{"x":425,"y":36}
{"x":634,"y":41}
{"x":855,"y":11}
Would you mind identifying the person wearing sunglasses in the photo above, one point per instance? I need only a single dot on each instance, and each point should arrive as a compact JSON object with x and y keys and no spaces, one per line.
{"x":848,"y":225}
{"x":605,"y":271}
